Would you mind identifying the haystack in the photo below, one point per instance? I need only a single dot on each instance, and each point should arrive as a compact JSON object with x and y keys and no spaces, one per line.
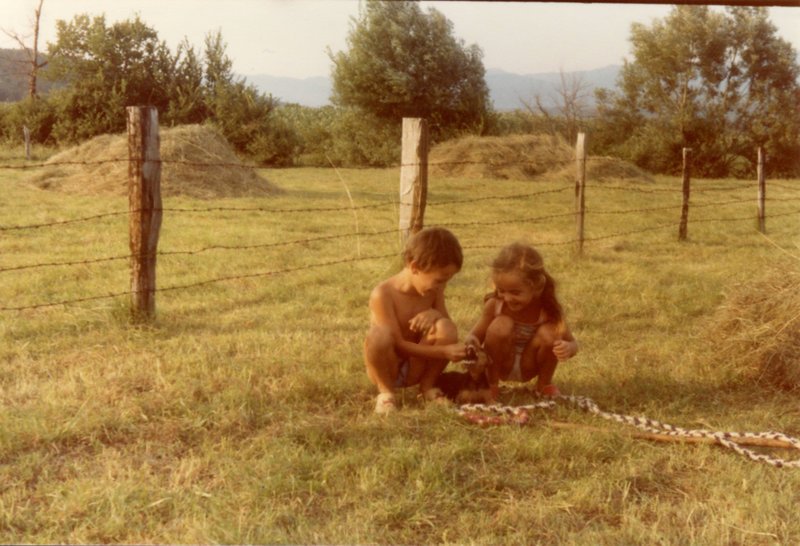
{"x":197,"y":162}
{"x":518,"y":157}
{"x":523,"y":157}
{"x":756,"y":332}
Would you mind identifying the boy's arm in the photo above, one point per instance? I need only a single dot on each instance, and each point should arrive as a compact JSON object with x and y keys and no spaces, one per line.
{"x":380,"y":305}
{"x":426,"y":320}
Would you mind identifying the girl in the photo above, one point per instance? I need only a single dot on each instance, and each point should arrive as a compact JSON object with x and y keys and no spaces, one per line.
{"x":522,"y":327}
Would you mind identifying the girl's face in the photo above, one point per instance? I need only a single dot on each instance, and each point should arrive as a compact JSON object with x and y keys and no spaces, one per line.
{"x":515,"y":290}
{"x":433,"y":279}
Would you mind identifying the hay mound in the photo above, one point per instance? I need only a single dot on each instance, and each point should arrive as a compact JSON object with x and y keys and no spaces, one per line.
{"x":524,"y":157}
{"x":197,"y":162}
{"x":518,"y":157}
{"x":607,"y":168}
{"x":757,"y":329}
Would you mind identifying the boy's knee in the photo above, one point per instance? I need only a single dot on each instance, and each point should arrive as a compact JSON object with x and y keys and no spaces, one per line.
{"x":444,"y":332}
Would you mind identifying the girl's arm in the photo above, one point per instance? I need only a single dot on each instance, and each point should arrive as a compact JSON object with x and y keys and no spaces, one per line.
{"x":478,"y":332}
{"x":566,"y":346}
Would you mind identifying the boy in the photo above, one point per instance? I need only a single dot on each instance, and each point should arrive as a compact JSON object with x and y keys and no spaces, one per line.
{"x":411,"y":337}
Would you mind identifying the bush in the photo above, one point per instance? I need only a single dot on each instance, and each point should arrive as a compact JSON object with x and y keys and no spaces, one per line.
{"x":37,"y":115}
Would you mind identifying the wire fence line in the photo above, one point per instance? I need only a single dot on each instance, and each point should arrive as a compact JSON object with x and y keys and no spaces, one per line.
{"x":359,"y":234}
{"x":240,"y":165}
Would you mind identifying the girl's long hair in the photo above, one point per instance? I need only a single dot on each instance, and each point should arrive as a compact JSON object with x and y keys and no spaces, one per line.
{"x":525,"y":260}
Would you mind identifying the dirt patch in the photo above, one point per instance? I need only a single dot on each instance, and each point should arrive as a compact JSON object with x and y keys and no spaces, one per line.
{"x":197,"y":162}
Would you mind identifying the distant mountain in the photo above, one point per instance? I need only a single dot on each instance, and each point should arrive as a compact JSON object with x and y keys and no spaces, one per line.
{"x":505,"y":88}
{"x":508,"y":90}
{"x":314,"y":91}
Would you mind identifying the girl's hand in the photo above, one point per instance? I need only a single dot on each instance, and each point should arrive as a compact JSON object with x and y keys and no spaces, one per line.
{"x":425,"y":323}
{"x":564,"y":349}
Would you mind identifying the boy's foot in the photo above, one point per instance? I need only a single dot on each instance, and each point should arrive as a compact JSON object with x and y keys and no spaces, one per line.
{"x":385,"y":404}
{"x":549,"y":391}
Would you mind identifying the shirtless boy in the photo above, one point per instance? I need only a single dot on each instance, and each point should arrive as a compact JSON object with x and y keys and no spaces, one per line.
{"x":411,"y":337}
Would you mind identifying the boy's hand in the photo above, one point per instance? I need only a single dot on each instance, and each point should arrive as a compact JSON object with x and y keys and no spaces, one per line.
{"x":425,"y":323}
{"x":455,"y":352}
{"x":564,"y":349}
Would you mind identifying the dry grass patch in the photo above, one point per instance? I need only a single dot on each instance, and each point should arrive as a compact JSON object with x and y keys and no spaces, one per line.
{"x":197,"y":162}
{"x":757,"y":329}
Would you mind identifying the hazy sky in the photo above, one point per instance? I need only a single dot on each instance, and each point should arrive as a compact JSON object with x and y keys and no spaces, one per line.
{"x":290,"y":37}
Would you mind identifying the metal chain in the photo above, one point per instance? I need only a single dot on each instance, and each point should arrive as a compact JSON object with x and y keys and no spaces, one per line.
{"x":475,"y":413}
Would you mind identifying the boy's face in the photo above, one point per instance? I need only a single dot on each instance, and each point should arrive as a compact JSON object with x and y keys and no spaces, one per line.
{"x":432,"y":279}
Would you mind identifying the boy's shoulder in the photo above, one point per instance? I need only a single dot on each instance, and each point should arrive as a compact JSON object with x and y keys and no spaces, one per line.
{"x":385,"y":288}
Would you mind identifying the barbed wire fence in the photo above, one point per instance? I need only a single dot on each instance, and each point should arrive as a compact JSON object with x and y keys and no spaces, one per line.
{"x":145,"y":211}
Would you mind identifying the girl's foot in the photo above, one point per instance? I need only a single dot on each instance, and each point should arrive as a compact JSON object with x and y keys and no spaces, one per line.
{"x":549,"y":391}
{"x":385,"y":404}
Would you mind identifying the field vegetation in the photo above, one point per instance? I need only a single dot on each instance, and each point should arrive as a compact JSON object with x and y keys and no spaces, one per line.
{"x":242,"y":413}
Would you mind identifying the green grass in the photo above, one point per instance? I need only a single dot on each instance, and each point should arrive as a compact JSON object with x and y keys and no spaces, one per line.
{"x":242,"y":414}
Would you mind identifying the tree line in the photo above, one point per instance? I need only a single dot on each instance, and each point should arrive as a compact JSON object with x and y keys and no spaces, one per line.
{"x":718,"y":81}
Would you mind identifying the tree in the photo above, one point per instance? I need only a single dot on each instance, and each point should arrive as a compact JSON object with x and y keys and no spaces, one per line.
{"x":32,"y":53}
{"x":106,"y":69}
{"x":569,"y":106}
{"x":718,"y":82}
{"x":402,"y":62}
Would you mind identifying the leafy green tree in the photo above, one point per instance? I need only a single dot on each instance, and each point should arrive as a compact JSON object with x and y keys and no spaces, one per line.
{"x":106,"y":69}
{"x":244,"y":115}
{"x":185,"y":91}
{"x":721,"y":83}
{"x":402,"y":62}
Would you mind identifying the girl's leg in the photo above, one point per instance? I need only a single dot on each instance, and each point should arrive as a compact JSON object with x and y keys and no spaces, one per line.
{"x":498,"y":344}
{"x":545,"y":361}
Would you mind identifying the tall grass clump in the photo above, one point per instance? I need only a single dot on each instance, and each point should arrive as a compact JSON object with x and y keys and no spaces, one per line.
{"x":758,"y":328}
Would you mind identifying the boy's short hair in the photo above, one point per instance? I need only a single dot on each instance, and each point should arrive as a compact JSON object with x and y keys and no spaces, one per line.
{"x":433,"y":247}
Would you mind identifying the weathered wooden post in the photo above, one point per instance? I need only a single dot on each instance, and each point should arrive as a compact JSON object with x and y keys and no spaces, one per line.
{"x":762,"y":192}
{"x":413,"y":176}
{"x":580,"y":188}
{"x":27,"y":133}
{"x":144,"y":207}
{"x":687,"y":168}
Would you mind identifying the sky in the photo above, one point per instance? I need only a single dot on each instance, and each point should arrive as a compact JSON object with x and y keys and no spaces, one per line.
{"x":290,"y":38}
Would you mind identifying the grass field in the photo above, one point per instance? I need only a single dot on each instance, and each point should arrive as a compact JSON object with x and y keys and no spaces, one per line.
{"x":242,"y":414}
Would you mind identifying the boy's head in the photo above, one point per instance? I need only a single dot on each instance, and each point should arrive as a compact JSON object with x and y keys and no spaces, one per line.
{"x":433,"y":248}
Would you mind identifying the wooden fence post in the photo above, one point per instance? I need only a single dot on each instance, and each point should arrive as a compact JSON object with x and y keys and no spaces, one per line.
{"x":413,"y":176}
{"x":144,"y":207}
{"x":580,"y":188}
{"x":762,"y":192}
{"x":687,"y":168}
{"x":27,"y":133}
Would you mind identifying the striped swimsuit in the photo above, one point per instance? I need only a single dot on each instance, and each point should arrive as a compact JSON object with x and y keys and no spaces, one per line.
{"x":523,"y":334}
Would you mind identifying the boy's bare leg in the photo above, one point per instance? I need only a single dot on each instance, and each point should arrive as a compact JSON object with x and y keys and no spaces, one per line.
{"x":445,"y":332}
{"x":381,"y":359}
